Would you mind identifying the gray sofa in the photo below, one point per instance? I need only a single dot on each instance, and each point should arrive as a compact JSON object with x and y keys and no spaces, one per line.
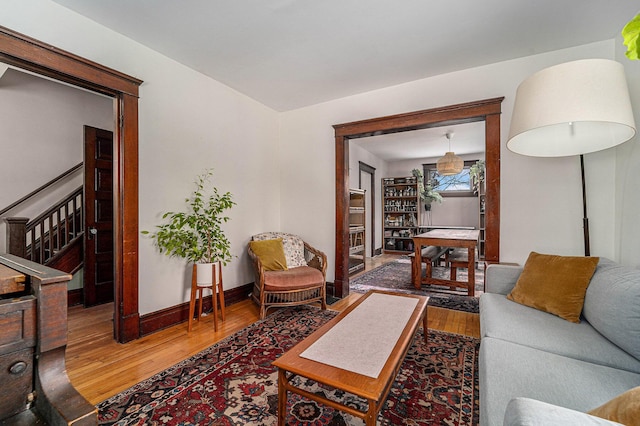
{"x":538,"y":369}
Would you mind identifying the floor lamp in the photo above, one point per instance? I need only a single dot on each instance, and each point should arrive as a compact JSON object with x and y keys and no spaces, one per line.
{"x":572,"y":109}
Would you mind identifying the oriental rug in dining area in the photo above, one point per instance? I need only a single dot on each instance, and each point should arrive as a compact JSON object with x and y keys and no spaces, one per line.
{"x":234,"y":383}
{"x":396,"y":276}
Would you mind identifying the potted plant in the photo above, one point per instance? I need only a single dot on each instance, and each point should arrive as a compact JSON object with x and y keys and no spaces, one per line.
{"x":197,"y":235}
{"x":476,"y":174}
{"x":427,"y":193}
{"x":430,"y":195}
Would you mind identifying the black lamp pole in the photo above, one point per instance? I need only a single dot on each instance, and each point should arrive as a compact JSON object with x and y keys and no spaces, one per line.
{"x":585,"y":219}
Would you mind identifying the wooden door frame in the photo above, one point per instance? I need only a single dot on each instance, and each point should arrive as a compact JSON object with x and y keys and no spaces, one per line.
{"x":488,"y":110}
{"x":364,"y":167}
{"x":32,"y":55}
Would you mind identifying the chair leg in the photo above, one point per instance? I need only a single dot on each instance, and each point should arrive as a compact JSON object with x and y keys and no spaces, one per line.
{"x":323,"y":294}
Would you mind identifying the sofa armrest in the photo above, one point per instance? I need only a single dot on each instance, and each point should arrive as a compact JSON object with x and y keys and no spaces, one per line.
{"x":531,"y":412}
{"x":501,"y":278}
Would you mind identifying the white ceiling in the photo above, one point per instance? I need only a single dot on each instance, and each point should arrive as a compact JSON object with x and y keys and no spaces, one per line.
{"x":427,"y":143}
{"x":288,"y":54}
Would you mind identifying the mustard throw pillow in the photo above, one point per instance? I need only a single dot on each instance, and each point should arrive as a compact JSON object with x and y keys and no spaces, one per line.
{"x":270,"y":253}
{"x":555,"y":284}
{"x":624,"y":408}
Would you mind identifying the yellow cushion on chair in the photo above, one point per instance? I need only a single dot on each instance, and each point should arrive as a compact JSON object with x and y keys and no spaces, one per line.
{"x":270,"y":253}
{"x":555,"y":284}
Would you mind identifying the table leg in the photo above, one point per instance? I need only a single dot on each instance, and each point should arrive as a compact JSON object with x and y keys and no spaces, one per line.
{"x":417,"y":264}
{"x":471,"y":271}
{"x":282,"y":398}
{"x":424,"y":326}
{"x":370,"y":418}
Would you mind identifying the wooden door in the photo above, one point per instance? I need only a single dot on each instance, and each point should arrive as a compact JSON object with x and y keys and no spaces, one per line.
{"x":98,"y":201}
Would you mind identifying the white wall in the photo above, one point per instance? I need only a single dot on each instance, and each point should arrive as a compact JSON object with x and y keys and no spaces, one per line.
{"x":627,"y":205}
{"x":188,"y":122}
{"x":541,"y":198}
{"x":42,"y":136}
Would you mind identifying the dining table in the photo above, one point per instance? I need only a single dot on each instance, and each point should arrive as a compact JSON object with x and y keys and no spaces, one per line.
{"x":453,"y":238}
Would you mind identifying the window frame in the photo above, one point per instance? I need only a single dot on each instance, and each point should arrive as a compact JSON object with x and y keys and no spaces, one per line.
{"x":429,"y":167}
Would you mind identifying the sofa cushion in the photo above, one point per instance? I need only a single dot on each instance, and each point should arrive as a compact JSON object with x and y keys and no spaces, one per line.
{"x":623,"y":408}
{"x":555,"y":284}
{"x":501,"y":278}
{"x":612,"y":305}
{"x":293,"y":279}
{"x":530,"y":412}
{"x":270,"y":253}
{"x":503,"y":319}
{"x":509,"y":370}
{"x":292,"y":244}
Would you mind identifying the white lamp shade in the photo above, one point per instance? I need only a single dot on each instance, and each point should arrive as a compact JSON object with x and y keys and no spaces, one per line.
{"x":570,"y":109}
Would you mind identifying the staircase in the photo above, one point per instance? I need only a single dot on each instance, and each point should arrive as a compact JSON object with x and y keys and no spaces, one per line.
{"x":55,"y":237}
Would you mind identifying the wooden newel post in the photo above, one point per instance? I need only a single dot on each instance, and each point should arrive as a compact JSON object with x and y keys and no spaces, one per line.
{"x":17,"y":236}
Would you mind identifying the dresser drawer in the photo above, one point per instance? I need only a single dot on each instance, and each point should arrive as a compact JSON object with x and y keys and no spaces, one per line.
{"x":18,"y":324}
{"x":16,"y":376}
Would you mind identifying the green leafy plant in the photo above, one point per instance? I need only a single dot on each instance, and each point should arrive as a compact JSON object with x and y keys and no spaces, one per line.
{"x":430,"y":195}
{"x":427,"y":193}
{"x":631,"y":33}
{"x":476,"y":174}
{"x":197,"y":235}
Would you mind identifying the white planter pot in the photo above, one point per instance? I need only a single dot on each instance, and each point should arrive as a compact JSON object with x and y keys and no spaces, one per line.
{"x":205,"y":273}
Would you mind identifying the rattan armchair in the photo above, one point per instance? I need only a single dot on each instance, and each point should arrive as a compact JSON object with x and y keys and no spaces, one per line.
{"x":304,"y":282}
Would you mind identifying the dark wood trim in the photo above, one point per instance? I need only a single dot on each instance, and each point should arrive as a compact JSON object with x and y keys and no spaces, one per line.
{"x":488,"y":110}
{"x":364,"y":167}
{"x":341,"y":281}
{"x":158,"y":320}
{"x":33,"y":55}
{"x":75,"y":297}
{"x":492,"y":189}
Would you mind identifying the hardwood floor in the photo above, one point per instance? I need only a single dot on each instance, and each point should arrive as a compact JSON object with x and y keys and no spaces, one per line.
{"x":99,"y":367}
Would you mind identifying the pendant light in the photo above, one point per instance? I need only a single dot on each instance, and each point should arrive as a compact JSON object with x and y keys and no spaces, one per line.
{"x":450,"y":164}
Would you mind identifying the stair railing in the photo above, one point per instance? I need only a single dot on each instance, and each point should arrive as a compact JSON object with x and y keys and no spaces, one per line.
{"x":41,"y":238}
{"x":42,"y":188}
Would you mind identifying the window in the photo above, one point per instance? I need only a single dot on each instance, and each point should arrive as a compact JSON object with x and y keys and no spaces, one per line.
{"x":450,"y":186}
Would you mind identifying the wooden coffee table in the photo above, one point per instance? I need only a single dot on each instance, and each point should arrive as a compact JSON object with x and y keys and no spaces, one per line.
{"x":374,"y":390}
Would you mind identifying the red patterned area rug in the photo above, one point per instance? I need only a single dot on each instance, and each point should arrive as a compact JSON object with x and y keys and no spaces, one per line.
{"x":234,"y":383}
{"x":396,"y":276}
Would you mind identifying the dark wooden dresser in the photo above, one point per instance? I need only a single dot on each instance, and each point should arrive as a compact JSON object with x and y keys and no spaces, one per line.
{"x":33,"y":338}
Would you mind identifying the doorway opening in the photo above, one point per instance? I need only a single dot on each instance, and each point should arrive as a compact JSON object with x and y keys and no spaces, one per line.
{"x":367,"y":181}
{"x":488,"y":110}
{"x":24,"y":52}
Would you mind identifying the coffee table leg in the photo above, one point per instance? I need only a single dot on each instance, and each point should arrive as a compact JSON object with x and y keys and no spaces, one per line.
{"x":370,"y":419}
{"x":282,"y":398}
